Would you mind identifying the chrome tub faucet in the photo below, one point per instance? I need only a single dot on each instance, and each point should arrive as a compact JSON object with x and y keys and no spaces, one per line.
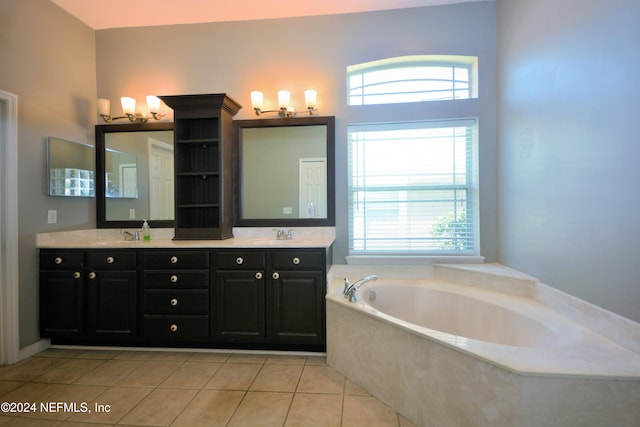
{"x":349,"y":290}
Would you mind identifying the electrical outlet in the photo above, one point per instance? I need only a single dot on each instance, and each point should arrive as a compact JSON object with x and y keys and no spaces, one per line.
{"x":287,"y":211}
{"x":52,"y":217}
{"x":132,"y":214}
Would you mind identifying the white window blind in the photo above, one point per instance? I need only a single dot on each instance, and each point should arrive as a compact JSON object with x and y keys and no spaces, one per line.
{"x":412,"y":188}
{"x":412,"y":79}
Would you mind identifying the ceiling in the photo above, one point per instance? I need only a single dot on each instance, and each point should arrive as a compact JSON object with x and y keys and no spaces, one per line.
{"x":136,"y":13}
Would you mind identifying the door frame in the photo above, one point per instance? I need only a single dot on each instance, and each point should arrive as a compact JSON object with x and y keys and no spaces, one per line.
{"x":9,"y":267}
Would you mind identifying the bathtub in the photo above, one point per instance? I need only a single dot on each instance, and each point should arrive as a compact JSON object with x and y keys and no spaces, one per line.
{"x":488,"y":349}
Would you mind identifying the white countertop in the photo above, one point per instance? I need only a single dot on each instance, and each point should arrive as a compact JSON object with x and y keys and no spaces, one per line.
{"x":250,"y":237}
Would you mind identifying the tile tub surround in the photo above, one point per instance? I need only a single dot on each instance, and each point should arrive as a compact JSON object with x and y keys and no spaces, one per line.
{"x":434,"y":383}
{"x":188,"y":388}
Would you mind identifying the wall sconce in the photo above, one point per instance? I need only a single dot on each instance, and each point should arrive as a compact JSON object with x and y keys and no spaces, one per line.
{"x":284,"y":110}
{"x":129,"y":109}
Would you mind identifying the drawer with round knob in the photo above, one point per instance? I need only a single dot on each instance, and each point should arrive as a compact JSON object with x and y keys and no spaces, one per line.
{"x":164,"y":301}
{"x":240,"y":260}
{"x":176,"y":259}
{"x":176,"y":279}
{"x":297,"y":259}
{"x":175,"y":328}
{"x":111,"y":259}
{"x":60,"y":260}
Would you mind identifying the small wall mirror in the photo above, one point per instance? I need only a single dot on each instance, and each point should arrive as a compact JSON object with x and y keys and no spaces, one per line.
{"x":134,"y":175}
{"x":70,"y":168}
{"x":285,"y":172}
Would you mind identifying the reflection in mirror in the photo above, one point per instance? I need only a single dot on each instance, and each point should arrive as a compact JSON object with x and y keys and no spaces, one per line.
{"x":285,"y":172}
{"x":71,"y":168}
{"x":134,"y":171}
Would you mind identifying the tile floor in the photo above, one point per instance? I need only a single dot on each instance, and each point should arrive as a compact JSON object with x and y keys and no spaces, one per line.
{"x":156,"y":388}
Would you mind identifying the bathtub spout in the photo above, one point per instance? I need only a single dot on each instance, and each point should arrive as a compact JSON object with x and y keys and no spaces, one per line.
{"x":350,"y":292}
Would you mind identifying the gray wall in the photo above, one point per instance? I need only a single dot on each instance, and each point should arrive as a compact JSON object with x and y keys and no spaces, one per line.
{"x":312,"y":53}
{"x":48,"y":60}
{"x":568,"y":146}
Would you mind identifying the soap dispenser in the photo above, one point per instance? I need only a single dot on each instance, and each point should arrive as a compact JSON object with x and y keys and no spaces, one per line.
{"x":146,"y":231}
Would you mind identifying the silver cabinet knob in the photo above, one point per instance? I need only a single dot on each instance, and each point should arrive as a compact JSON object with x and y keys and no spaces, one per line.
{"x":173,"y":327}
{"x":173,"y":301}
{"x":239,"y":260}
{"x":58,"y":260}
{"x":295,"y":260}
{"x":174,"y":260}
{"x":259,"y":275}
{"x":174,"y":278}
{"x":275,"y":275}
{"x":110,"y":260}
{"x":76,"y":275}
{"x":92,"y":275}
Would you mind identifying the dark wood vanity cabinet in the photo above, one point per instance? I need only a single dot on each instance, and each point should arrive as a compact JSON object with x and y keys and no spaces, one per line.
{"x":203,"y":132}
{"x":175,"y":296}
{"x":225,"y":298}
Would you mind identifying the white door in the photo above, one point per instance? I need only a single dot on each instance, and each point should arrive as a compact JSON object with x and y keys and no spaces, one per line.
{"x":312,"y":194}
{"x":161,"y":192}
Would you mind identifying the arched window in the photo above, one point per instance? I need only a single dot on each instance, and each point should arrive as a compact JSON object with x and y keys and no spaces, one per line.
{"x":413,"y":79}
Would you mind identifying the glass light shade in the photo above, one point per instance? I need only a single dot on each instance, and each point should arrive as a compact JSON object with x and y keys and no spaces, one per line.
{"x":128,"y":105}
{"x":283,"y":98}
{"x":153,"y":104}
{"x":104,"y":106}
{"x":310,"y":98}
{"x":256,"y":99}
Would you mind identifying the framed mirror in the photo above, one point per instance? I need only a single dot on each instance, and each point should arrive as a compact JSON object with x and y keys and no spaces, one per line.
{"x":134,"y":175}
{"x":284,"y":172}
{"x":70,"y":168}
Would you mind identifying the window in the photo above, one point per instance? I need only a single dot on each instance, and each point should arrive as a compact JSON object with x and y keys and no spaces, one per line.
{"x":412,"y":188}
{"x":413,"y":79}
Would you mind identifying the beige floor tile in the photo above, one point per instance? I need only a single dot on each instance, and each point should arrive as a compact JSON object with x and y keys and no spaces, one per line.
{"x":210,"y":408}
{"x":317,"y":410}
{"x":149,"y":374}
{"x":321,"y":379}
{"x":70,"y":371}
{"x":109,"y":373}
{"x":7,"y":386}
{"x":354,"y":389}
{"x":286,"y":360}
{"x":31,"y":422}
{"x":99,"y":354}
{"x":33,"y":392}
{"x":193,"y":375}
{"x":76,"y":398}
{"x":177,"y":356}
{"x":316,"y":360}
{"x":117,"y":401}
{"x":275,"y":377}
{"x":262,"y":409}
{"x":68,"y":353}
{"x":403,"y":422}
{"x":159,"y":408}
{"x":209,"y":357}
{"x":367,"y":411}
{"x":135,"y":355}
{"x":4,"y":420}
{"x":234,"y":376}
{"x":30,"y":368}
{"x":247,"y":358}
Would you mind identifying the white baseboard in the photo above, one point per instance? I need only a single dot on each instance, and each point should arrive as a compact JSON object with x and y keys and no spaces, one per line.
{"x":34,"y":348}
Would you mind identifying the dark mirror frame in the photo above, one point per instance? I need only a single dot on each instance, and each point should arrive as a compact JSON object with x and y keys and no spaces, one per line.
{"x":101,"y":213}
{"x":239,"y":125}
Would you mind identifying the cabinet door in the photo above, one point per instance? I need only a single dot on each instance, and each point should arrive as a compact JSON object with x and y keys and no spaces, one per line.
{"x":111,"y":309}
{"x":239,"y":306}
{"x":61,"y":303}
{"x":298,"y":307}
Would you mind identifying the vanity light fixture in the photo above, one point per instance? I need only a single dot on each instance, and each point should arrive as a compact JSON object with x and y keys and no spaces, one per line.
{"x":129,"y":109}
{"x":284,"y":98}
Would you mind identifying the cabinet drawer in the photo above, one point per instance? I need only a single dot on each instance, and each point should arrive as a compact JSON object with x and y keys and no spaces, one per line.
{"x":176,"y":279}
{"x":298,"y":260}
{"x":240,"y":260}
{"x":176,"y":328}
{"x":111,"y":259}
{"x":189,"y":301}
{"x":176,"y":259}
{"x":57,"y":260}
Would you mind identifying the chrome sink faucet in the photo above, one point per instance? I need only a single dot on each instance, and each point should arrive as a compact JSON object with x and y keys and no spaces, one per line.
{"x":131,"y":236}
{"x":350,"y":289}
{"x":283,"y":234}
